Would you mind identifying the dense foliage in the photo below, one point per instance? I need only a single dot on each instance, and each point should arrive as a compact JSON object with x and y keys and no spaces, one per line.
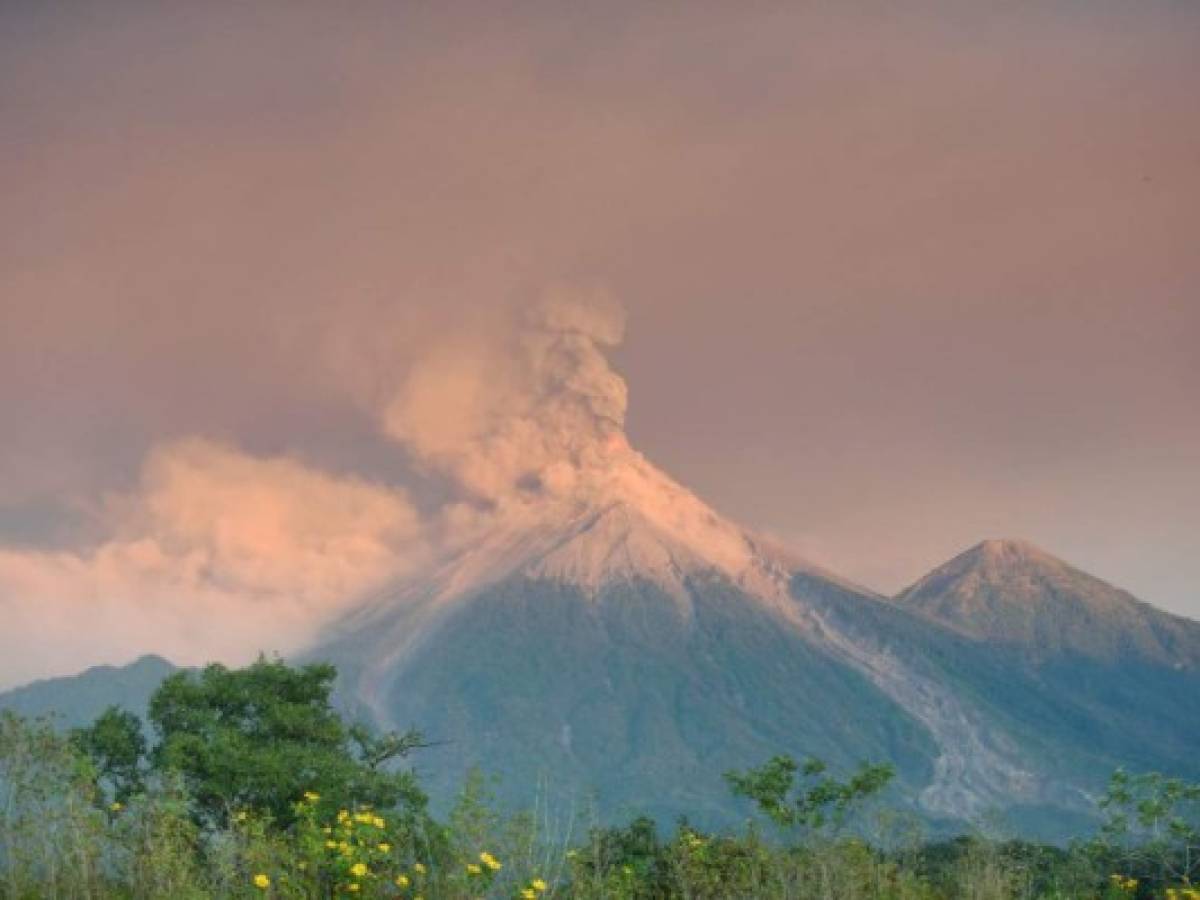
{"x":258,"y":738}
{"x":253,"y":787}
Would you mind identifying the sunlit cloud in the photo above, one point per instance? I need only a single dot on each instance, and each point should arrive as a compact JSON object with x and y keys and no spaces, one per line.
{"x":216,"y":554}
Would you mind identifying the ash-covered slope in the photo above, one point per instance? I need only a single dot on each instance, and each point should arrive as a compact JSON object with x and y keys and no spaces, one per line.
{"x":637,"y":645}
{"x":1011,"y":592}
{"x":617,"y":653}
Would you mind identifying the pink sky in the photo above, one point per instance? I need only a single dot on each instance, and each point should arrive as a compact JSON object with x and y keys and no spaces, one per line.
{"x":897,"y":279}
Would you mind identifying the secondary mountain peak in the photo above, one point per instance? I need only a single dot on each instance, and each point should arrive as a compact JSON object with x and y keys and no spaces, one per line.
{"x":1011,"y":591}
{"x":1011,"y":550}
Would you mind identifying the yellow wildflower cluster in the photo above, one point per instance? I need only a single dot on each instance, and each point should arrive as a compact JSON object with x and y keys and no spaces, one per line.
{"x":403,"y":881}
{"x":535,"y":889}
{"x":355,"y":845}
{"x":1183,"y":893}
{"x":353,"y":852}
{"x":1122,"y":883}
{"x":490,"y":861}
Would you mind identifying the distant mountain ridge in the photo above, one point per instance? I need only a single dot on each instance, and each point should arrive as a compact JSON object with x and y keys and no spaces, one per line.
{"x":78,"y":699}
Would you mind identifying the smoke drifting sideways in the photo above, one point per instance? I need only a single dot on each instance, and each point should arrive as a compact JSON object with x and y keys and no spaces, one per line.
{"x":217,"y":554}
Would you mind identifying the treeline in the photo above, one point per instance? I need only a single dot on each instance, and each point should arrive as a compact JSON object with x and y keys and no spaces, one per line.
{"x":255,"y":787}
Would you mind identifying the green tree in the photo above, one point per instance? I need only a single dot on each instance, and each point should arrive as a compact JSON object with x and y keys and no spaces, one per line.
{"x":117,"y":748}
{"x":1152,"y":826}
{"x":260,"y":737}
{"x":821,"y":803}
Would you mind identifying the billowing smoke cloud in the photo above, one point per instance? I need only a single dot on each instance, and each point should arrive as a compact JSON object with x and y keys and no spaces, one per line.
{"x":534,"y":411}
{"x":216,"y":555}
{"x":528,"y":422}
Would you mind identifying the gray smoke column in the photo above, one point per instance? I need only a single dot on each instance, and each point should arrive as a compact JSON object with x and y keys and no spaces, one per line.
{"x":533,"y":410}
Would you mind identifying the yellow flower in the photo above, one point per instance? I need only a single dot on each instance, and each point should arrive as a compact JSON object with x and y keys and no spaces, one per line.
{"x":473,"y":869}
{"x":241,"y":816}
{"x":115,"y":806}
{"x":401,"y":881}
{"x":261,"y":881}
{"x":312,"y":796}
{"x":342,"y":815}
{"x":538,"y":885}
{"x":384,"y":847}
{"x":352,"y":887}
{"x":418,"y":868}
{"x":344,"y":848}
{"x":358,"y":870}
{"x":490,"y":861}
{"x":528,"y":894}
{"x":378,"y":822}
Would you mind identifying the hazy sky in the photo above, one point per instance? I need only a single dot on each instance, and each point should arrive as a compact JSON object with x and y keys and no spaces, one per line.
{"x":898,"y":277}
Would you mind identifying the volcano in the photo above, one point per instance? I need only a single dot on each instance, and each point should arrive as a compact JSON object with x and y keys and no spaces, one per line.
{"x":589,"y":631}
{"x":624,"y":647}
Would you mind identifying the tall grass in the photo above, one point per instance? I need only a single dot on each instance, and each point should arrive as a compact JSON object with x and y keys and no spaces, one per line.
{"x":60,"y":839}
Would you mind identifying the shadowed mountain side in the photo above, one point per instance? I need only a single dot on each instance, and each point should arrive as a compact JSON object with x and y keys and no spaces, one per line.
{"x":628,"y":696}
{"x":1074,"y":718}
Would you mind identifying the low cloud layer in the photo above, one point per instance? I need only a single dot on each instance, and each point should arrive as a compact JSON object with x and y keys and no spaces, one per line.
{"x":216,"y":554}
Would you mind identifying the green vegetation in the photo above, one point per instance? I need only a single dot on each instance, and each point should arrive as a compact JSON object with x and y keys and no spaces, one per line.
{"x":258,"y":738}
{"x":253,"y":787}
